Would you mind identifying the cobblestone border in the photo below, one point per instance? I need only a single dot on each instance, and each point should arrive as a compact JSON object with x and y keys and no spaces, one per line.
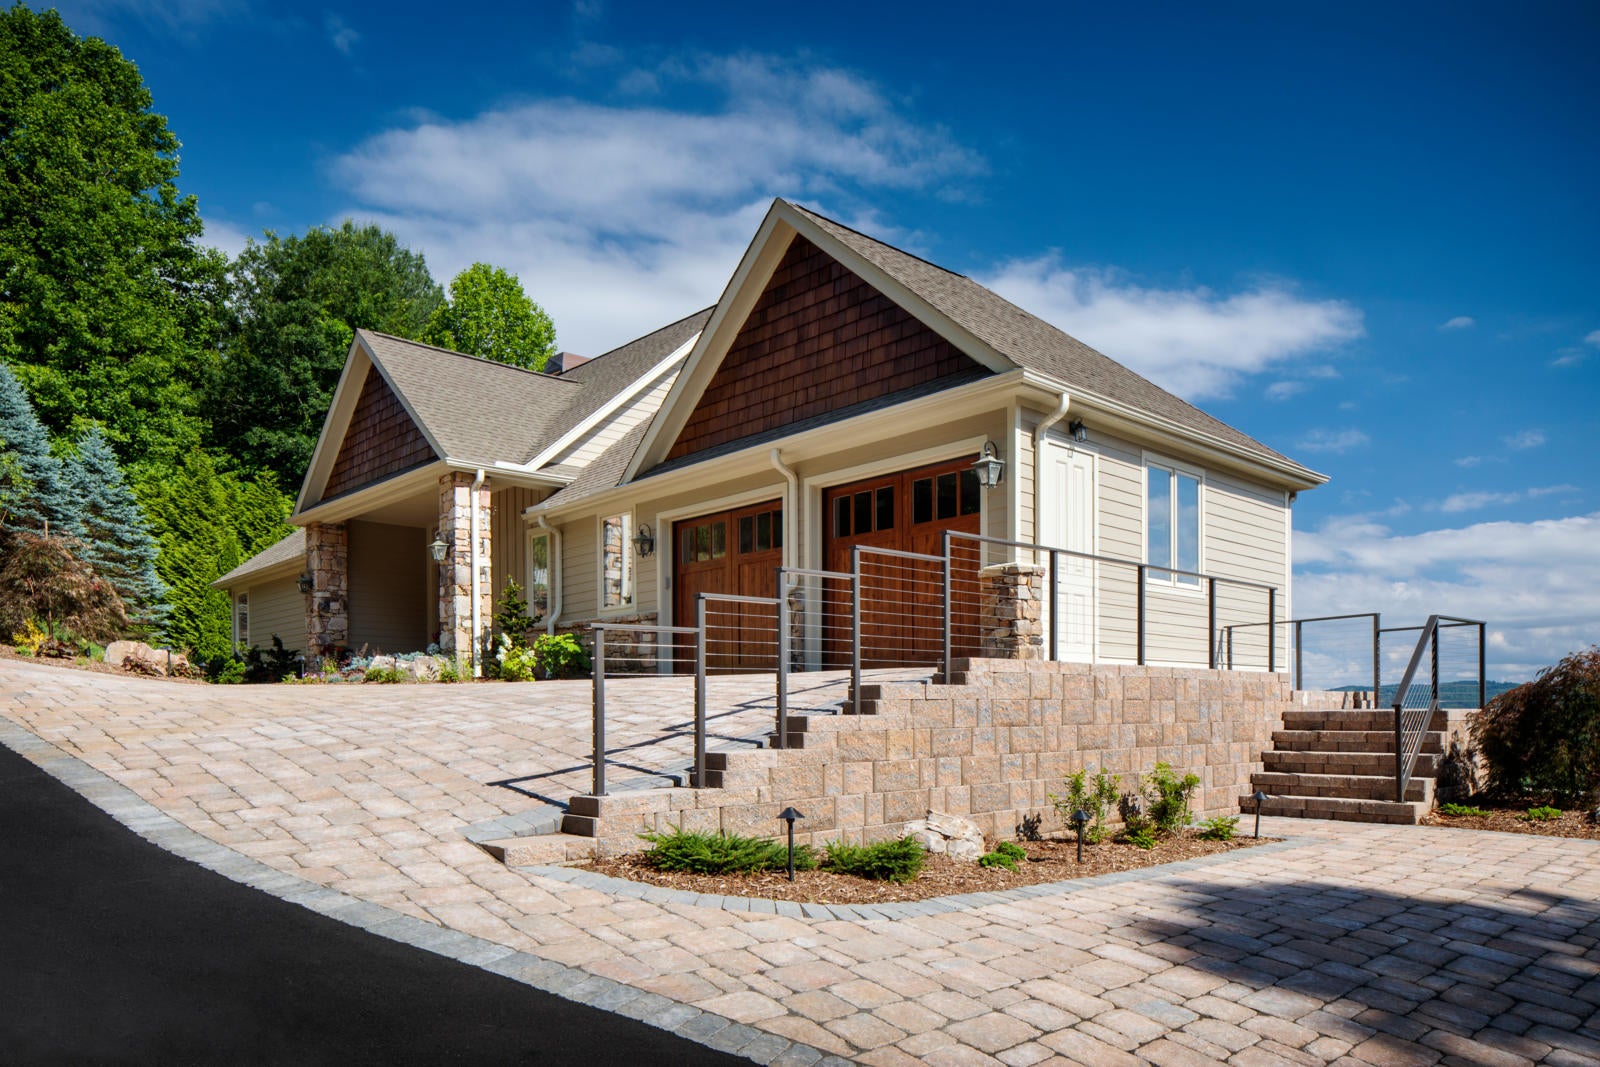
{"x":160,"y":829}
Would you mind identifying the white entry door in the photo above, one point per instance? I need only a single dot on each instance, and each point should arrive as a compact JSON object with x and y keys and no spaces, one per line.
{"x":1068,"y":510}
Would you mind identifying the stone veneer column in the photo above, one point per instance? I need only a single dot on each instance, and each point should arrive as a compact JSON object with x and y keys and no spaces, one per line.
{"x":1011,"y":617}
{"x":328,"y":603}
{"x":455,"y":573}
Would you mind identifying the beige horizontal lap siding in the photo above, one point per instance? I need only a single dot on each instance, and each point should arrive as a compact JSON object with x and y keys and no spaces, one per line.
{"x":508,"y":532}
{"x":391,"y":579}
{"x":579,"y":536}
{"x":611,"y":430}
{"x":276,"y":607}
{"x":1245,"y":537}
{"x":1119,"y":513}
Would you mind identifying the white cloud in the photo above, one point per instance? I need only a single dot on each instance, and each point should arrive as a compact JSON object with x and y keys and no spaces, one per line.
{"x":1474,"y":501}
{"x":1285,"y":390}
{"x":619,"y":219}
{"x":1524,"y":439}
{"x":1333,"y":440}
{"x":340,"y":34}
{"x":1469,"y":461}
{"x":1537,"y":584}
{"x":1593,"y":338}
{"x":1460,"y":322}
{"x":225,"y":236}
{"x":1195,"y":342}
{"x":1554,"y":490}
{"x":180,"y":17}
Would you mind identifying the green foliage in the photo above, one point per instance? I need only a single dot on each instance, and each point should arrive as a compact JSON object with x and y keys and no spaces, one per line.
{"x":511,"y":618}
{"x":1543,"y":738}
{"x":560,"y":656}
{"x":41,"y":579}
{"x":1540,"y":814}
{"x":33,"y":488}
{"x":115,"y":538}
{"x":514,"y":664}
{"x":1167,"y":798}
{"x":899,"y":860}
{"x":1219,"y":828}
{"x":208,"y":522}
{"x":271,"y":665}
{"x":696,"y":853}
{"x":1006,"y":854}
{"x":108,"y":304}
{"x":1144,"y":836}
{"x":386,"y":676}
{"x":450,"y":671}
{"x":296,"y":305}
{"x":1460,"y":810}
{"x":1094,"y":797}
{"x":489,"y":315}
{"x":228,"y":671}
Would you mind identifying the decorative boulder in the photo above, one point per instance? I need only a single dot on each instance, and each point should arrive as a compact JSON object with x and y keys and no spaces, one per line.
{"x":956,"y":837}
{"x":149,"y":660}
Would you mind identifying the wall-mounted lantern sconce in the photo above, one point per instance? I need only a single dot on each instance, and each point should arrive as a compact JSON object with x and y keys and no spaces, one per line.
{"x":1079,"y":432}
{"x":438,"y":549}
{"x":305,"y":583}
{"x":644,"y":542}
{"x":989,"y":467}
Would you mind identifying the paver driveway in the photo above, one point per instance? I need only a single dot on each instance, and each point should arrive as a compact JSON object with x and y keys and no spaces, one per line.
{"x":1348,"y":944}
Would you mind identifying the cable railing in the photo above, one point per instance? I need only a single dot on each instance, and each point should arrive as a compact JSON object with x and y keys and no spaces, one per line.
{"x":1338,"y":656}
{"x":1417,"y":698}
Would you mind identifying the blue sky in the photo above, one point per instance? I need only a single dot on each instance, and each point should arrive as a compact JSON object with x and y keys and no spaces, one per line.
{"x":1366,"y":234}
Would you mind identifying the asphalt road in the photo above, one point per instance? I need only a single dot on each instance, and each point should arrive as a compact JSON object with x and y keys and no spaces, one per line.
{"x":113,"y":950}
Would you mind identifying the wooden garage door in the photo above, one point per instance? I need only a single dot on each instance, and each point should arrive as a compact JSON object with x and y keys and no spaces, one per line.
{"x":730,"y":552}
{"x":902,"y":620}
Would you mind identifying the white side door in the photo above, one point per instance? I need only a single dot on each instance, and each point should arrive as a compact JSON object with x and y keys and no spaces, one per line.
{"x":1068,"y":509}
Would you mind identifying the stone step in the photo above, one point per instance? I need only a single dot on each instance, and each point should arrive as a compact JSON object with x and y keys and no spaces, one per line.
{"x":541,"y":850}
{"x":1344,"y":719}
{"x":1370,"y":763}
{"x":1353,"y":786}
{"x":1342,"y":808}
{"x":1347,"y":741}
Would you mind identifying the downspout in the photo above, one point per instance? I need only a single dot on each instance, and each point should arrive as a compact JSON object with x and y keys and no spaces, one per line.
{"x":791,"y":504}
{"x":477,"y":613}
{"x":555,"y":575}
{"x":1038,"y":464}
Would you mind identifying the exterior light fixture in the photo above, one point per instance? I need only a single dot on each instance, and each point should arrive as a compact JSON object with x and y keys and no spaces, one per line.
{"x":1079,"y":432}
{"x":644,"y":541}
{"x":438,"y":548}
{"x":1080,"y":820}
{"x":305,"y":583}
{"x":1260,"y":798}
{"x":989,"y":467}
{"x":789,"y":815}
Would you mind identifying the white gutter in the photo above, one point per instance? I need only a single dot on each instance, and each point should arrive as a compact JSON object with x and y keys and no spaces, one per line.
{"x":1038,"y":463}
{"x":554,"y":612}
{"x":477,"y":620}
{"x":791,"y":505}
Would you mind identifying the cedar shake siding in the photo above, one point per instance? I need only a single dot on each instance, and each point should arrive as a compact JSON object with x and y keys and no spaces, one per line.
{"x":819,"y":338}
{"x":381,"y":440}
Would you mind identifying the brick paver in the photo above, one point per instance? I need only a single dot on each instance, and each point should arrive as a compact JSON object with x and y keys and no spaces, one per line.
{"x":1352,"y":944}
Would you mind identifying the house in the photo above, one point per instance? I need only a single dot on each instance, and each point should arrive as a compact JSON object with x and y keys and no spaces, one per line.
{"x":830,"y":406}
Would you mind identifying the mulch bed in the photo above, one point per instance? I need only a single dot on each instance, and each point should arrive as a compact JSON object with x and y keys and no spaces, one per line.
{"x":94,"y":666}
{"x":1048,"y":861}
{"x":1505,"y":820}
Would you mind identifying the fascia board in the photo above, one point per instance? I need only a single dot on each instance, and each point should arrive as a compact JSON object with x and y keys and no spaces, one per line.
{"x":282,"y":569}
{"x":387,"y":491}
{"x":335,"y":423}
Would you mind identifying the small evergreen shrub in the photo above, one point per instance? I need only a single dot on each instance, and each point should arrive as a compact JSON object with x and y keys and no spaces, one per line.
{"x":1461,"y":810}
{"x":1007,"y":854}
{"x":1540,"y":814}
{"x":697,"y":853}
{"x":1095,"y":797}
{"x":899,"y":860}
{"x":512,"y":619}
{"x":1219,"y":828}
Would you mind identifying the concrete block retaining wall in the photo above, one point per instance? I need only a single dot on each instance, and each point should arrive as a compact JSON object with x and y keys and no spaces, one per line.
{"x":992,"y":747}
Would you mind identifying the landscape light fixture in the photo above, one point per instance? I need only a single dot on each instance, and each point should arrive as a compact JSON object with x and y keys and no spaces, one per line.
{"x":438,"y":548}
{"x":789,"y":815}
{"x":1260,"y":798}
{"x":989,"y":467}
{"x":304,"y":582}
{"x":1079,"y":432}
{"x":1080,"y":819}
{"x":644,"y":541}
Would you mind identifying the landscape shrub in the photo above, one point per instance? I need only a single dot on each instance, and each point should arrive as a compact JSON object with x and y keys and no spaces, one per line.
{"x":1219,"y":828}
{"x":514,"y":664}
{"x":1540,"y":814}
{"x":512,"y":619}
{"x":1094,"y":797}
{"x":1006,"y":854}
{"x":1542,"y":739}
{"x":1461,"y":810}
{"x":560,"y":656}
{"x":386,"y":676}
{"x":697,"y":853}
{"x":1167,"y":798}
{"x":1143,"y":835}
{"x":42,"y":579}
{"x":899,"y":860}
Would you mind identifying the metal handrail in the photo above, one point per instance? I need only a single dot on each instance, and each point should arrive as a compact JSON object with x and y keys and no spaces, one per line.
{"x":1299,"y":658}
{"x":1411,"y":723}
{"x":782,"y":672}
{"x":598,"y":672}
{"x":784,"y":573}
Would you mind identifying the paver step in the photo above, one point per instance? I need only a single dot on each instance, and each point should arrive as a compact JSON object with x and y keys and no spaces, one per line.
{"x":1348,"y":741}
{"x":1373,"y":763}
{"x":1351,"y":786}
{"x":541,"y":849}
{"x":1346,"y":719}
{"x":1342,"y":808}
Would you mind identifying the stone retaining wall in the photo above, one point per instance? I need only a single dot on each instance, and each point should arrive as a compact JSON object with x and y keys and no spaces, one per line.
{"x":992,"y":748}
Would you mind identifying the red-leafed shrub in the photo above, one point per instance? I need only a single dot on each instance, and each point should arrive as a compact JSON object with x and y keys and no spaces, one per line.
{"x":40,"y":578}
{"x":1542,"y":739}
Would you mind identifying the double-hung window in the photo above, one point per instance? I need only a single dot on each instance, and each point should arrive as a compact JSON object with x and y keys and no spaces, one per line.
{"x":1172,"y":524}
{"x":538,"y":574}
{"x":616,"y":561}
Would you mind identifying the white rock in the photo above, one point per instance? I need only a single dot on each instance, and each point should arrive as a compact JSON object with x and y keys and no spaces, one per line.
{"x":953,"y":835}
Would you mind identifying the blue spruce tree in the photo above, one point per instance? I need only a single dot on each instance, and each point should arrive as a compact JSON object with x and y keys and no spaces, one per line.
{"x":116,"y":539}
{"x":33,"y":487}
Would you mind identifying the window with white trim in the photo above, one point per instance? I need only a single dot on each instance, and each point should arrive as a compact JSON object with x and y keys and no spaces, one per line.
{"x":1172,"y":524}
{"x":241,"y":609}
{"x":538,"y":575}
{"x":616,"y":561}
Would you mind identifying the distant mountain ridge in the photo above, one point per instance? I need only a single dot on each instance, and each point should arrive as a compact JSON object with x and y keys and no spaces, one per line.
{"x":1451,"y":694}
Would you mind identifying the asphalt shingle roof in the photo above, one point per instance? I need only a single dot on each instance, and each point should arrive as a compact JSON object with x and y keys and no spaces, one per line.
{"x":292,"y":547}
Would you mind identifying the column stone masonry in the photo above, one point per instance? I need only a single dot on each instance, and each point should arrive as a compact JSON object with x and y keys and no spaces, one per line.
{"x":1011,"y":618}
{"x":455,"y":573}
{"x":328,"y":603}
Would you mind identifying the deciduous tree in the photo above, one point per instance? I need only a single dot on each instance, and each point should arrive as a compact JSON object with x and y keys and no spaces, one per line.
{"x":489,"y":315}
